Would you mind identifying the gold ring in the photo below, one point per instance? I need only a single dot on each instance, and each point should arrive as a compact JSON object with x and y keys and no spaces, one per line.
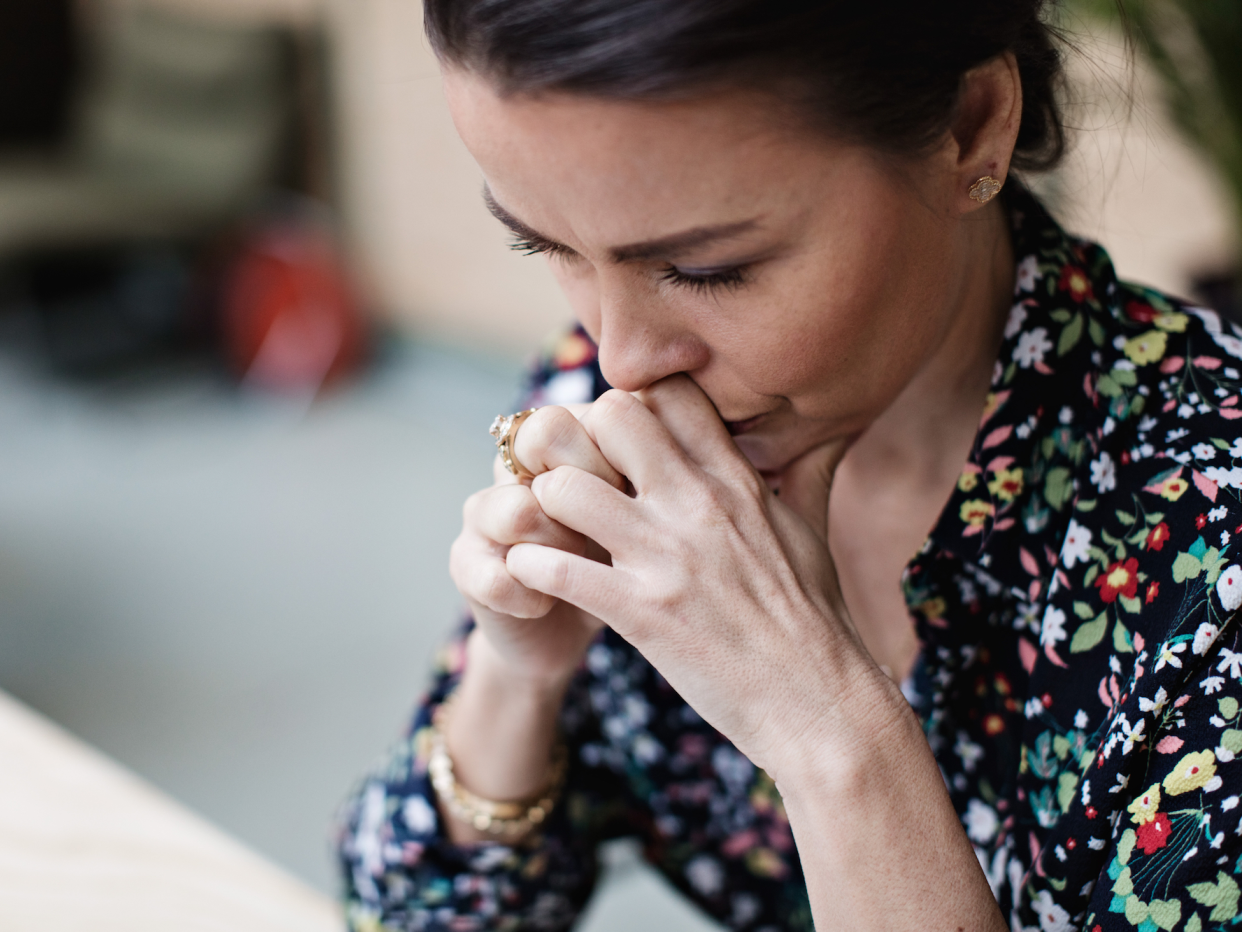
{"x":505,"y":429}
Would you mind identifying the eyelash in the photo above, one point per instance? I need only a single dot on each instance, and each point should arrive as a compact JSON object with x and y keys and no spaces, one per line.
{"x":722,"y":279}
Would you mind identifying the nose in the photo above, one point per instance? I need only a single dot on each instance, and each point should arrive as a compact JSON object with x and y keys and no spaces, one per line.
{"x":642,"y":340}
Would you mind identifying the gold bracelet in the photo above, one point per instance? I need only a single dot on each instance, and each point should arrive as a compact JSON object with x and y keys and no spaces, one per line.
{"x":506,"y":819}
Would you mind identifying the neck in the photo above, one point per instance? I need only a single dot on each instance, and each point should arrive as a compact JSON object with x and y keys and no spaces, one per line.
{"x":924,"y":437}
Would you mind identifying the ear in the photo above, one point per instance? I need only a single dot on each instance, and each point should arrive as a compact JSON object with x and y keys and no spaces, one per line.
{"x":985,"y":127}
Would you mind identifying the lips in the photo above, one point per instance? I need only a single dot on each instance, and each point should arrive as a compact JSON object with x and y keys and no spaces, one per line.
{"x":740,"y":427}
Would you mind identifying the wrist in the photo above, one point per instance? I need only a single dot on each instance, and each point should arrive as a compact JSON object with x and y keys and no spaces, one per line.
{"x":872,"y":730}
{"x":499,"y":675}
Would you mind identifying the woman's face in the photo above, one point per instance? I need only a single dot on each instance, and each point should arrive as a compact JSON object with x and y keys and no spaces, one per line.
{"x":798,"y":280}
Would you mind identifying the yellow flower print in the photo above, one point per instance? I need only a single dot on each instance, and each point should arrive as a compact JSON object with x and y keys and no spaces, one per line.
{"x":976,"y":511}
{"x":1147,"y":347}
{"x":1006,"y":484}
{"x":967,"y":481}
{"x":1171,"y":321}
{"x":1173,"y":489}
{"x":933,"y":609}
{"x":1144,"y":809}
{"x":1193,"y":772}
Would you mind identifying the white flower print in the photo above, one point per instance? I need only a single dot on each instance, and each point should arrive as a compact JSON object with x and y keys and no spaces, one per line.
{"x":1229,"y":478}
{"x":1134,"y":736}
{"x":1077,"y":545}
{"x":1028,"y":275}
{"x":1229,"y":588}
{"x":1168,"y":655}
{"x":1203,"y":451}
{"x":1217,"y":513}
{"x":1017,"y":317}
{"x":1184,"y":411}
{"x":1231,"y":662}
{"x":968,"y":751}
{"x":1155,"y":704}
{"x":1213,"y":684}
{"x":1224,"y":538}
{"x":418,"y":815}
{"x":1052,"y":918}
{"x":1175,"y":435}
{"x":1052,"y":629}
{"x":1104,"y":473}
{"x":1031,"y":348}
{"x":1205,"y":637}
{"x":981,"y":822}
{"x":705,"y":874}
{"x":1236,"y":450}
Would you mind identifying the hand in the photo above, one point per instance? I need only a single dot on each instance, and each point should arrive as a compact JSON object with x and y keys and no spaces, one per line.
{"x":536,"y":636}
{"x":728,"y":590}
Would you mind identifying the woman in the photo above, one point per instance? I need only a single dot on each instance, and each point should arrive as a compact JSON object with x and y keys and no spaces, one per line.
{"x":778,"y":225}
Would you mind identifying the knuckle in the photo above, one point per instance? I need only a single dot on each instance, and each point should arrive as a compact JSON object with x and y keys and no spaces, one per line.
{"x":526,"y":518}
{"x":494,"y":585}
{"x":612,"y":405}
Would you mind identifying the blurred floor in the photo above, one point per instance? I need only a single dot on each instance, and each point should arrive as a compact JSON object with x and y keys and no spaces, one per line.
{"x":238,"y":597}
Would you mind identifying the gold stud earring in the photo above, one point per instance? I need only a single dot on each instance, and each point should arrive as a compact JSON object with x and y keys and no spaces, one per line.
{"x":985,"y":189}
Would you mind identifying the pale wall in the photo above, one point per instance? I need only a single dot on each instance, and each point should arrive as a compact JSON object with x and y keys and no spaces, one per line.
{"x":436,"y":264}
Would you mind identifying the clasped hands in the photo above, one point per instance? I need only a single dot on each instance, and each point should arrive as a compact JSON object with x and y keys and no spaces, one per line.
{"x":645,"y":516}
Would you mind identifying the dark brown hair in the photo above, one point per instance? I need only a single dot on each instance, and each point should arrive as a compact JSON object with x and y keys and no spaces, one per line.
{"x":885,"y":73}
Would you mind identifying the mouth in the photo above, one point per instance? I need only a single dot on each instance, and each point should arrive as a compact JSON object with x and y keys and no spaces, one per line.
{"x":737,"y":428}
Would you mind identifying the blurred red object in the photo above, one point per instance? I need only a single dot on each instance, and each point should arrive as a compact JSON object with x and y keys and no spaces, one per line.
{"x":289,"y":319}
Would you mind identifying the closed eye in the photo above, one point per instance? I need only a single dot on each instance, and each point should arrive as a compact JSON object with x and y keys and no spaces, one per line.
{"x":535,"y":246}
{"x":726,"y":279}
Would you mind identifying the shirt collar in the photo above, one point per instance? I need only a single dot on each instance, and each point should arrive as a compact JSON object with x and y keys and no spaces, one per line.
{"x":1008,"y":514}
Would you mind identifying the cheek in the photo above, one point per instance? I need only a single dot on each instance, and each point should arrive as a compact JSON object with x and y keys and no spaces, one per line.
{"x":848,"y":330}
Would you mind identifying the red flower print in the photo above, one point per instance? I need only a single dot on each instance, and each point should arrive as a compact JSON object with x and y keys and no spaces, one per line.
{"x":1157,"y":536}
{"x":1153,"y":590}
{"x":1075,"y":281}
{"x":1118,"y":579}
{"x":1092,"y":812}
{"x":1200,"y":521}
{"x":1071,"y":844}
{"x":1143,"y":313}
{"x":1155,"y":834}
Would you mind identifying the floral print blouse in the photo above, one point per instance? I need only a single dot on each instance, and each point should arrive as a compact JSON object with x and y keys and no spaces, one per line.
{"x":1080,"y":679}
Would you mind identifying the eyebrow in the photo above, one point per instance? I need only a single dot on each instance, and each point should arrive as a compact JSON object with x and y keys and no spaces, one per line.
{"x":664,"y":247}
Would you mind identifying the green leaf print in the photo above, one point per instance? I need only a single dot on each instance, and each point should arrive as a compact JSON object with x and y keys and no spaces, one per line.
{"x":1231,"y":740}
{"x":1228,"y":707}
{"x":1058,"y":489}
{"x":1126,"y":846}
{"x":1070,"y":335}
{"x":1083,"y":610}
{"x":1067,"y":783}
{"x":1130,"y":604}
{"x":1194,"y":924}
{"x":1088,"y":635}
{"x":1107,"y":387}
{"x":1186,"y":567}
{"x":1096,"y":329}
{"x":1122,"y":642}
{"x":1220,"y":444}
{"x":1222,"y":896}
{"x":1164,"y":913}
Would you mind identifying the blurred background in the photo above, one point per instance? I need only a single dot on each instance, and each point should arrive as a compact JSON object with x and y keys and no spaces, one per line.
{"x":254,"y":321}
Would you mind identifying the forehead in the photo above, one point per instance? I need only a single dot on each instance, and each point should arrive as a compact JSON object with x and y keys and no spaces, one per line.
{"x":551,"y":157}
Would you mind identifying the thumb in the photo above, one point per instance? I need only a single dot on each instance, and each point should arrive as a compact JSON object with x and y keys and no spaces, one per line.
{"x":806,"y":483}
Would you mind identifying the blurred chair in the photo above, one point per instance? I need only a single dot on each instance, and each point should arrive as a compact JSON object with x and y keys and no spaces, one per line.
{"x":177,"y":126}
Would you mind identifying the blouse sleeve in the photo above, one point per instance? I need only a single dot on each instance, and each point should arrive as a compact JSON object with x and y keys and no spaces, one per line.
{"x":400,"y":871}
{"x":1176,"y":854}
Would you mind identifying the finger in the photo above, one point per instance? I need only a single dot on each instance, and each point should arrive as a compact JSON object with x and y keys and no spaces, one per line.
{"x":633,"y":440}
{"x":553,"y":437}
{"x":481,"y":575}
{"x":806,"y":483}
{"x":510,"y":514}
{"x":595,"y":588}
{"x":692,"y":420}
{"x":585,"y":503}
